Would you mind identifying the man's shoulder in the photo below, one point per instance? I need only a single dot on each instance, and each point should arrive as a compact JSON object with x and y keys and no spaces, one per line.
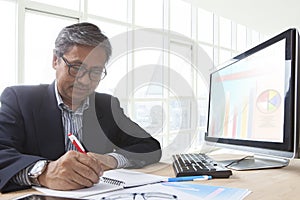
{"x":106,"y":99}
{"x":26,"y":96}
{"x":103,"y":95}
{"x":28,"y":89}
{"x":25,"y":93}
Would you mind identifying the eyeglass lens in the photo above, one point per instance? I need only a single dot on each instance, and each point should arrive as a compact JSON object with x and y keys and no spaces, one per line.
{"x":78,"y":70}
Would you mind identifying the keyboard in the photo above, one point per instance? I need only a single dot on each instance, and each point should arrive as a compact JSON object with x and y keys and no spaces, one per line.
{"x":194,"y":164}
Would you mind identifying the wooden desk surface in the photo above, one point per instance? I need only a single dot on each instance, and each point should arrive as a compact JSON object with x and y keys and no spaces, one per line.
{"x":273,"y":184}
{"x":267,"y":184}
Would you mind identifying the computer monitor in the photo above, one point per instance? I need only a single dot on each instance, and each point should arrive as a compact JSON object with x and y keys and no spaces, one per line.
{"x":253,"y":103}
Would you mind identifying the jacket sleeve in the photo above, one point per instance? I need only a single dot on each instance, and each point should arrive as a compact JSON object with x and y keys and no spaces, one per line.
{"x":11,"y":141}
{"x":133,"y":142}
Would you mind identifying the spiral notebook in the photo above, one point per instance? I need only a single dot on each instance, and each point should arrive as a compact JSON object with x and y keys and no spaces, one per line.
{"x":129,"y":178}
{"x":110,"y":181}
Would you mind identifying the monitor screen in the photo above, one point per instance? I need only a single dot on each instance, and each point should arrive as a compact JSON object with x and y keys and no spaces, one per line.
{"x":253,"y":100}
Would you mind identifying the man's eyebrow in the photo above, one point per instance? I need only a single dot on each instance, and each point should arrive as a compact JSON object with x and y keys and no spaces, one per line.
{"x":76,"y":62}
{"x":79,"y":62}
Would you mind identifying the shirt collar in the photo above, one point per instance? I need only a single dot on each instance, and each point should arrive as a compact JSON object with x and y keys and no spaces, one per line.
{"x":61,"y":105}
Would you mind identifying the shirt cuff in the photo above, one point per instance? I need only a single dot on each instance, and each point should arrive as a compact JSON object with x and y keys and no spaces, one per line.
{"x":122,"y":161}
{"x":21,"y":178}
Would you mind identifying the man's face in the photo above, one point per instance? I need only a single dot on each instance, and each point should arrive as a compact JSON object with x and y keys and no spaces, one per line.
{"x":74,"y":90}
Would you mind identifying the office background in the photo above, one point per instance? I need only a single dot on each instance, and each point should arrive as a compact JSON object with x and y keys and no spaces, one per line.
{"x":29,"y":28}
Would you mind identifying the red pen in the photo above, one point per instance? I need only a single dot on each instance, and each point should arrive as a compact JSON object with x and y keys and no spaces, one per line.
{"x":76,"y":143}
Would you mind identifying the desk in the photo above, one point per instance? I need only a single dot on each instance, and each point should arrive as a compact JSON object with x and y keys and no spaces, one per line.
{"x":269,"y":184}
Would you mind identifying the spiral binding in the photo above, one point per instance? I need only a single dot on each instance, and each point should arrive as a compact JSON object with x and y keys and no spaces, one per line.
{"x":112,"y":181}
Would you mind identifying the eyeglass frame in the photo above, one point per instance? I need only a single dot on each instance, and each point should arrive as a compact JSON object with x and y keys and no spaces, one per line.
{"x":133,"y":195}
{"x":79,"y":67}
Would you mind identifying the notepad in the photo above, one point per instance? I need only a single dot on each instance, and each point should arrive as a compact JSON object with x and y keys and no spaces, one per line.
{"x":129,"y":178}
{"x":111,"y":180}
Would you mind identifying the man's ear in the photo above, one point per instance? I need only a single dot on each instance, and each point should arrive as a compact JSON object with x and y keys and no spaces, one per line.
{"x":55,"y":61}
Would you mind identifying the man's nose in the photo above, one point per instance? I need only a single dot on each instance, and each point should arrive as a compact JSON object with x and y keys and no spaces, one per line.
{"x":84,"y":78}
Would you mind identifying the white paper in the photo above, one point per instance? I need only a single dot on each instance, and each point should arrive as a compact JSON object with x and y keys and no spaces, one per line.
{"x":133,"y":178}
{"x":129,"y":177}
{"x":96,"y":189}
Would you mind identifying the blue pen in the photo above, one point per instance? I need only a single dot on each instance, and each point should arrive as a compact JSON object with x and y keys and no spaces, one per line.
{"x":189,"y":178}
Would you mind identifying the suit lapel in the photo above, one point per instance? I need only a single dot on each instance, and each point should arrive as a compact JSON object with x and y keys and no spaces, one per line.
{"x":50,"y":133}
{"x":49,"y":129}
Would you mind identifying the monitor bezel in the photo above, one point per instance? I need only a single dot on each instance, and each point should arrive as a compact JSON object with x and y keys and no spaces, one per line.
{"x":289,"y":148}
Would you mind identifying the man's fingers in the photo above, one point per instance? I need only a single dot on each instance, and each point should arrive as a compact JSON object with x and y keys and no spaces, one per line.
{"x":73,"y":170}
{"x":106,"y":161}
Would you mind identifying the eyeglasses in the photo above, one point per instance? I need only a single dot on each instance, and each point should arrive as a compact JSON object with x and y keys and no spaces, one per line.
{"x":146,"y":196}
{"x":79,"y":70}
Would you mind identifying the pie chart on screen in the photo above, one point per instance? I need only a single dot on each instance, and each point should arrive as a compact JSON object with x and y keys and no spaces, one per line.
{"x":268,"y":101}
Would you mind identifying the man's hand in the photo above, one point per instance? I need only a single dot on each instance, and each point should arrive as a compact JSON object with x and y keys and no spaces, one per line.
{"x":107,"y":162}
{"x":73,"y":170}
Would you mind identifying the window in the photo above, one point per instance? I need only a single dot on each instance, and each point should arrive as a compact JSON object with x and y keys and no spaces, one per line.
{"x":151,"y":116}
{"x":180,"y":17}
{"x":111,"y":9}
{"x":208,"y":50}
{"x":224,"y":55}
{"x":205,"y":26}
{"x":39,"y":45}
{"x":225,"y":32}
{"x":180,"y":112}
{"x":148,"y":92}
{"x":180,"y":86}
{"x":117,"y":66}
{"x":112,"y":31}
{"x":181,"y":62}
{"x":116,"y":80}
{"x":145,"y":15}
{"x":150,"y":84}
{"x":241,"y":37}
{"x":70,"y":4}
{"x":8,"y":75}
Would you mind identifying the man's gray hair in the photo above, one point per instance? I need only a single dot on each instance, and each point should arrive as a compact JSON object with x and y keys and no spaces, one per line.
{"x":83,"y":33}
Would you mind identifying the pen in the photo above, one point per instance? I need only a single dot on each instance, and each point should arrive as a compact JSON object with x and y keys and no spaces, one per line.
{"x":76,"y":143}
{"x":189,"y":178}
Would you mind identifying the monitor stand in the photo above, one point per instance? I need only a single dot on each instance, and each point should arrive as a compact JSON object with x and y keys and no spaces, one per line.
{"x":255,"y":162}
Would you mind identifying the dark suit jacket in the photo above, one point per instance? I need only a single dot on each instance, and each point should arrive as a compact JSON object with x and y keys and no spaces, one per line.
{"x":31,"y":129}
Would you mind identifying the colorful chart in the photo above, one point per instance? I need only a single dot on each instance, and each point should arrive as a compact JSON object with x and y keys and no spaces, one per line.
{"x":268,"y":101}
